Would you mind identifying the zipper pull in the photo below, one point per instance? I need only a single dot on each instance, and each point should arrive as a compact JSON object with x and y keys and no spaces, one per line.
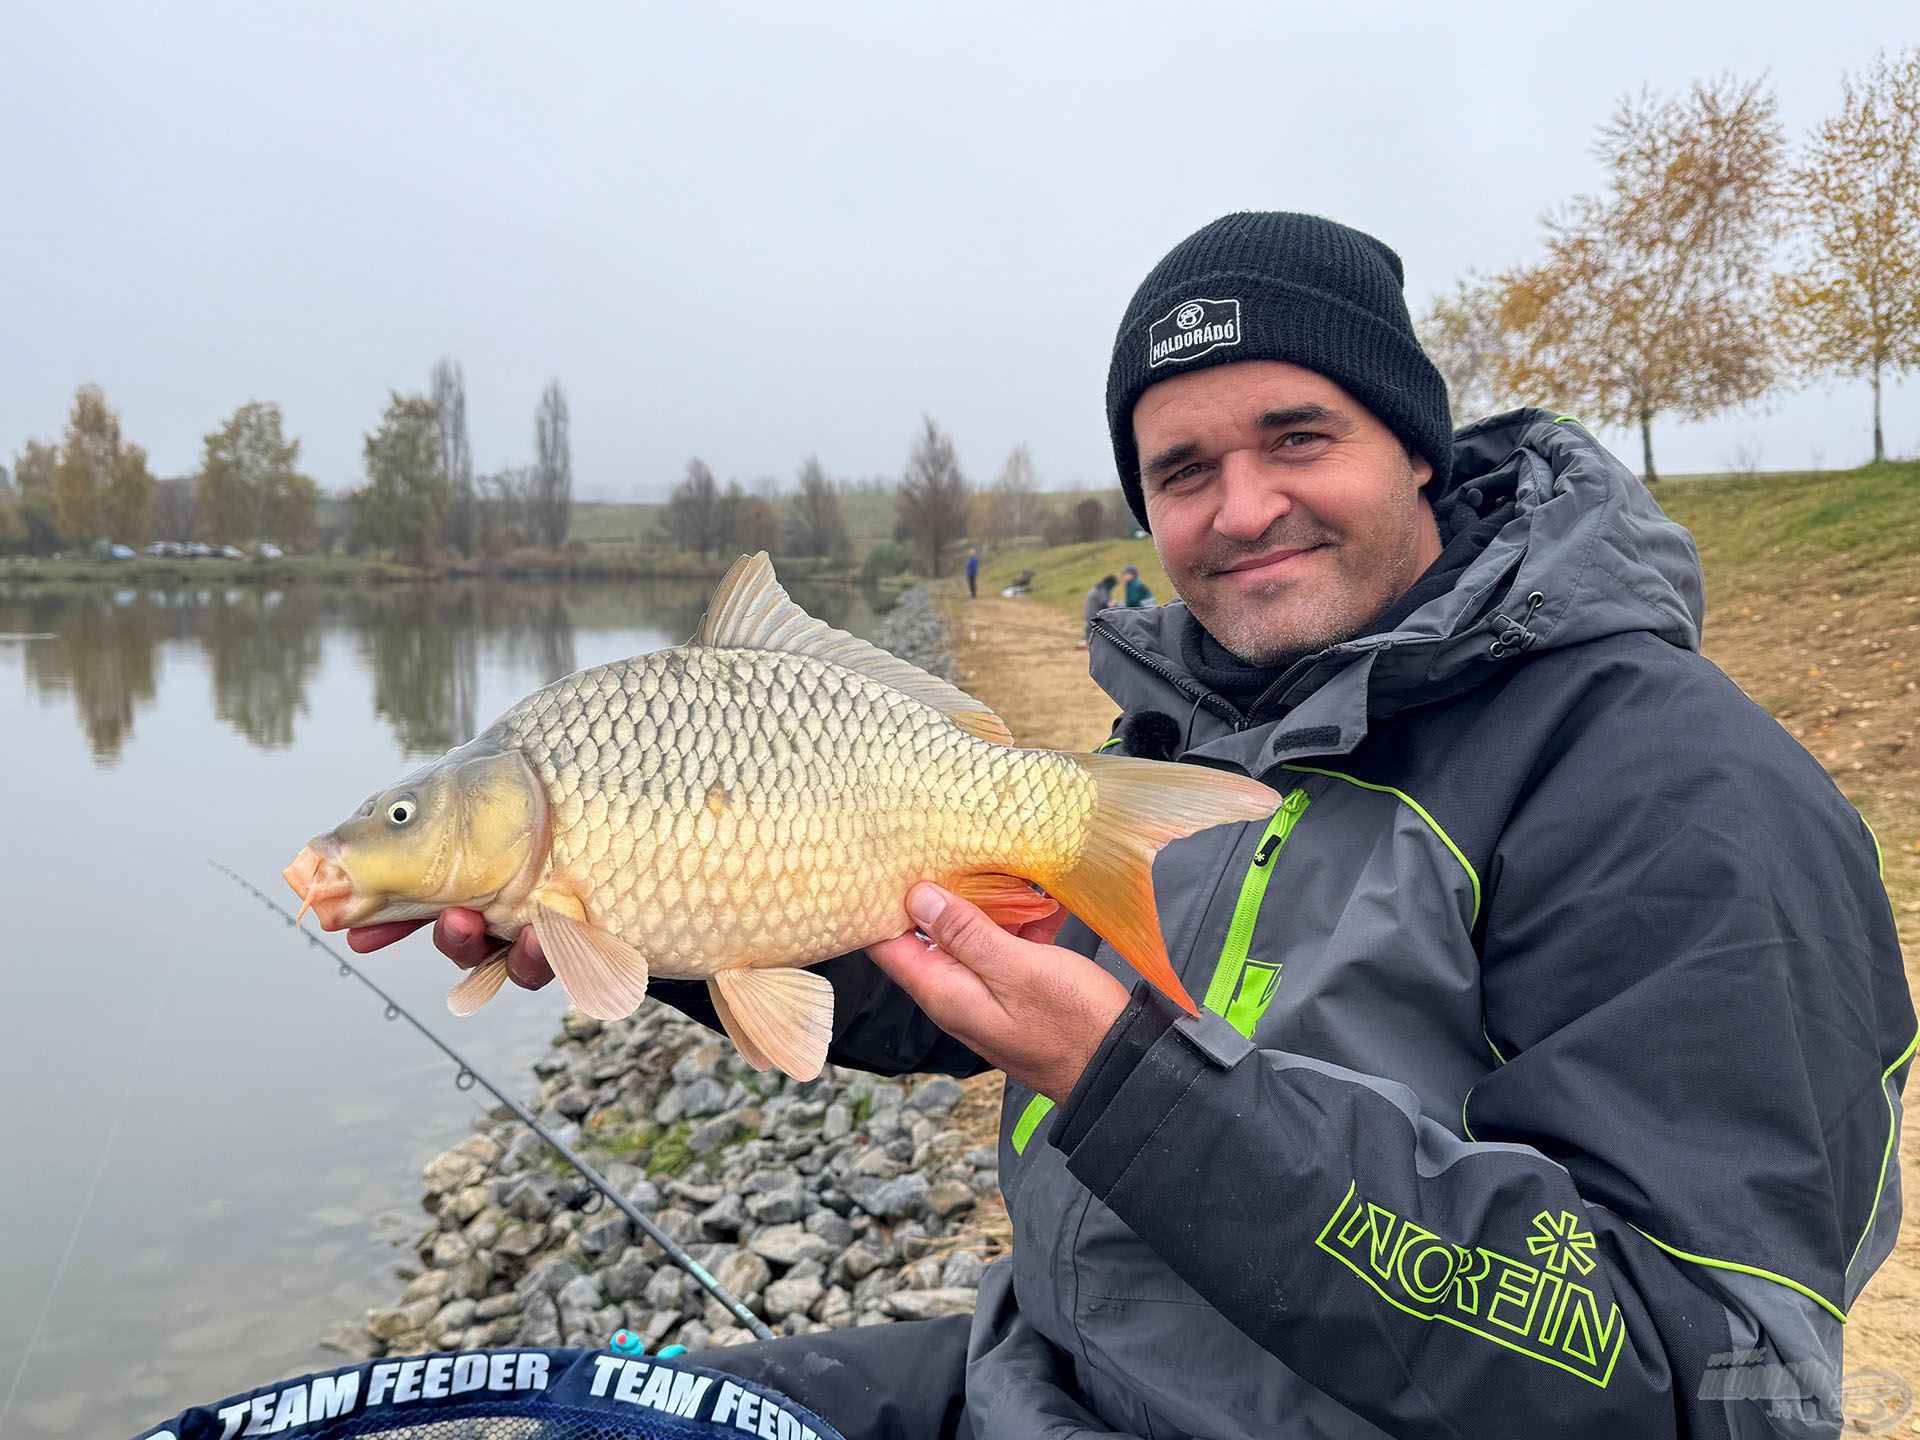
{"x":1290,"y":807}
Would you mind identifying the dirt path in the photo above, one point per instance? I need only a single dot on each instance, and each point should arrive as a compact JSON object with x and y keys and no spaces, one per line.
{"x":1832,"y":650}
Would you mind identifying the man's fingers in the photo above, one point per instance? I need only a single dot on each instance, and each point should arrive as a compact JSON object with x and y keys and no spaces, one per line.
{"x":461,"y":936}
{"x":961,"y":928}
{"x":526,"y":966}
{"x":365,"y":938}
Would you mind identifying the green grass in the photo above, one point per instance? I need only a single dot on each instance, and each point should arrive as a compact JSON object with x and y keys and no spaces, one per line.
{"x":1863,"y":516}
{"x":1064,"y":573}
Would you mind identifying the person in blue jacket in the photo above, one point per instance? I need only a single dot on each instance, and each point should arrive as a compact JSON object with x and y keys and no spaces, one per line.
{"x":1546,"y":1073}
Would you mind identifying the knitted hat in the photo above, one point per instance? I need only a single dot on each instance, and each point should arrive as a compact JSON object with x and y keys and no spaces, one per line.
{"x":1272,"y":285}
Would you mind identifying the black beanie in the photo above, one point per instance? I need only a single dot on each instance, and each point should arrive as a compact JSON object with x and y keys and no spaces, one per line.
{"x":1272,"y":285}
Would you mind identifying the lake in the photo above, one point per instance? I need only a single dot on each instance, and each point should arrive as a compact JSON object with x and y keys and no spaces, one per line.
{"x":211,"y":1143}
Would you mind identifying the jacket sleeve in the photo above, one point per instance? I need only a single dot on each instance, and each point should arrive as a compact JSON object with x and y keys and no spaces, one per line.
{"x":876,"y":1025}
{"x":1653,"y":1211}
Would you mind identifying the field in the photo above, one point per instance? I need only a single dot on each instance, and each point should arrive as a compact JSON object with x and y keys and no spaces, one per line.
{"x":1813,"y":605}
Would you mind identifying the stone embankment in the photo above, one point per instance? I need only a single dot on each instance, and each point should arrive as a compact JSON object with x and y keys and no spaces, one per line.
{"x":847,"y":1200}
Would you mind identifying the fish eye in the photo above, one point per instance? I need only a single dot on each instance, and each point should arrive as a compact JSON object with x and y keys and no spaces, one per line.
{"x":401,"y":811}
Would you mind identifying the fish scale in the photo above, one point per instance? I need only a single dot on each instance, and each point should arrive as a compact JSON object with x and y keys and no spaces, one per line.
{"x":709,"y":857}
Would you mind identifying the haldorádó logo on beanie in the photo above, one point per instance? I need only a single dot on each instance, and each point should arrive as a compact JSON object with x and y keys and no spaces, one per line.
{"x":1272,"y":285}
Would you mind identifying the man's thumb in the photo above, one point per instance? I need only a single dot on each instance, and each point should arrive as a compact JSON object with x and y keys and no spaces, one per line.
{"x":957,"y":925}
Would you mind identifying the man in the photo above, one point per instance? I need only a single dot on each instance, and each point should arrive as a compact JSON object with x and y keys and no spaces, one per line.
{"x":973,"y":573}
{"x":1137,"y":596}
{"x":1099,"y":597}
{"x":1547,"y":1076}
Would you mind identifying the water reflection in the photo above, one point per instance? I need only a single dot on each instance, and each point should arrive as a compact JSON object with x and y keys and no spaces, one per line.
{"x":423,"y":646}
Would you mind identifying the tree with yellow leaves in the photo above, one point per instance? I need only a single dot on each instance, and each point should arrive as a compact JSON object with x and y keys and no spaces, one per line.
{"x":1653,"y":299}
{"x":1853,"y":306}
{"x":101,"y":486}
{"x":1462,"y":335}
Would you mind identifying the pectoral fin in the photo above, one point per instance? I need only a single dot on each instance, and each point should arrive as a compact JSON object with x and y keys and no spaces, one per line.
{"x":1006,"y":899}
{"x":480,"y":986}
{"x":781,"y":1016}
{"x":602,"y":974}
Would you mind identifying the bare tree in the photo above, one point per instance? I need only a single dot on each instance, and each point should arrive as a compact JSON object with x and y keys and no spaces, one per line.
{"x":1854,"y":304}
{"x":815,"y":524}
{"x":1014,"y":506}
{"x":460,"y":527}
{"x":1652,"y":300}
{"x":504,"y":513}
{"x":747,"y":522}
{"x":553,"y":469}
{"x":695,"y":516}
{"x":1462,"y":336}
{"x":932,"y":503}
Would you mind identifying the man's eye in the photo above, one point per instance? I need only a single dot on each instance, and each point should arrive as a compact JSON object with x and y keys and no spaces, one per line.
{"x":1300,"y":439}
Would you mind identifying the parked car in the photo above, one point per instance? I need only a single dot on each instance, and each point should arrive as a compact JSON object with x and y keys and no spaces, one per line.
{"x":230,"y":552}
{"x":118,"y":552}
{"x":266,"y":550}
{"x":197,"y":550}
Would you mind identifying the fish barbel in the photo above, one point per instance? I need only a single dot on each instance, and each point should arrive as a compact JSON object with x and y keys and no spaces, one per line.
{"x":753,"y":802}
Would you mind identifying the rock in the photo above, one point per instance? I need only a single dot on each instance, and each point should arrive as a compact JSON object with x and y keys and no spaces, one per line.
{"x":495,"y":1307}
{"x":652,"y":1326}
{"x":963,"y":1268}
{"x":728,"y":1335}
{"x":921,"y":1275}
{"x":399,"y":1321}
{"x":627,"y":1277}
{"x":935,"y":1096}
{"x":428,"y":1285}
{"x":705,"y":1096}
{"x":744,"y":1274}
{"x":580,"y":1027}
{"x":483,"y":1149}
{"x":449,"y":1250}
{"x":781,"y":1206}
{"x":695,"y":1194}
{"x":344,"y":1338}
{"x":723,"y":1219}
{"x":832,"y":1228}
{"x":664,"y":1289}
{"x":453,"y":1317}
{"x":877,"y":1163}
{"x":694,"y":1335}
{"x":548,"y":1276}
{"x":982,"y":1157}
{"x":451,"y":1170}
{"x":530,"y":1197}
{"x":574,"y":1103}
{"x":945,"y":1197}
{"x":463,"y":1204}
{"x":517,"y":1242}
{"x":578,"y":1298}
{"x":605,"y":1239}
{"x":787,"y":1245}
{"x":930,"y":1304}
{"x":712,"y":1134}
{"x":888,"y":1199}
{"x":539,"y":1322}
{"x":859,"y":1261}
{"x":835,"y":1307}
{"x":838,"y":1122}
{"x":792,"y":1296}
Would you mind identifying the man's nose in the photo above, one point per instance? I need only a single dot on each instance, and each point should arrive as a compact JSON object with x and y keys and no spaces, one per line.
{"x":1249,"y":500}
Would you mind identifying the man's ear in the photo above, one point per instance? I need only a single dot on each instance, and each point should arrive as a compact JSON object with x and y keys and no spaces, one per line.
{"x":1421,"y":467}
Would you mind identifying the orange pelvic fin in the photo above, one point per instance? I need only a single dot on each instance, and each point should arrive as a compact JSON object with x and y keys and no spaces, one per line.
{"x":480,"y":986}
{"x":783,"y":1017}
{"x":1139,"y":807}
{"x":1007,"y":899}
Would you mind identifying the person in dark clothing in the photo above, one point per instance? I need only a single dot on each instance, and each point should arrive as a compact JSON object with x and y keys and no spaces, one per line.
{"x":1136,"y":596}
{"x":1550,"y":1038}
{"x":973,"y":574}
{"x":1099,"y":597}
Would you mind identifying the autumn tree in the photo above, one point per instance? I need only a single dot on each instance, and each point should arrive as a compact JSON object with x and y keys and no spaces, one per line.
{"x":815,"y":525}
{"x":504,"y":509}
{"x":553,"y":469}
{"x":693,"y":519}
{"x":1652,"y":299}
{"x":932,"y":502}
{"x":101,"y":484}
{"x":36,"y":475}
{"x":747,"y":522}
{"x":1853,"y":305}
{"x":405,"y":497}
{"x":1461,"y":334}
{"x":250,"y":486}
{"x":460,"y":528}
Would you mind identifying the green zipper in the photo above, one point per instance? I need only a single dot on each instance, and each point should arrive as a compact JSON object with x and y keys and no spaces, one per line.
{"x":1246,"y":910}
{"x":1233,"y":954}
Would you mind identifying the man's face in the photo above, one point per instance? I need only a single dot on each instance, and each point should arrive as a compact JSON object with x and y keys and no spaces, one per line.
{"x":1285,"y":514}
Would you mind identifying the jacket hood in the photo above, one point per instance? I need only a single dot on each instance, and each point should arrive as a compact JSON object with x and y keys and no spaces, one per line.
{"x":1586,"y":553}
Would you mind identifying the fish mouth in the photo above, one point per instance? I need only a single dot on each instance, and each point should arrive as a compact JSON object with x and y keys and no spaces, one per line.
{"x":322,"y":884}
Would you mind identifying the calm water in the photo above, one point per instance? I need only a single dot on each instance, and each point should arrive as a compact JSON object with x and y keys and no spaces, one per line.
{"x":209,"y":1143}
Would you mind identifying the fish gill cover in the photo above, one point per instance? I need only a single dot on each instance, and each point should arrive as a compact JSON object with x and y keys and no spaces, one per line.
{"x":524,"y":1394}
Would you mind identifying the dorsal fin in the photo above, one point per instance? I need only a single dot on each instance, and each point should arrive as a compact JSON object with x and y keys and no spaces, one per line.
{"x":749,"y":611}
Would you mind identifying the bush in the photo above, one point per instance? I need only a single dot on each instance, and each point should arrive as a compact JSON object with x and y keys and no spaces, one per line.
{"x":884,"y":561}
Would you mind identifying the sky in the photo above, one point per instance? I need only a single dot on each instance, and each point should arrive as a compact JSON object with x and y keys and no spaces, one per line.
{"x":754,"y":232}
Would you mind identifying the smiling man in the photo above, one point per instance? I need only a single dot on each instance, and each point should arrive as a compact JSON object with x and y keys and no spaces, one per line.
{"x":1552,"y":1032}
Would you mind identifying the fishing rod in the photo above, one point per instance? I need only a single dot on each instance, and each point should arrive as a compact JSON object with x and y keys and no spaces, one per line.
{"x":466,"y":1078}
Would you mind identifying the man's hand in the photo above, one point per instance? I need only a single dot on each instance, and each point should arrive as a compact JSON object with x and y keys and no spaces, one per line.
{"x":1018,"y":1001}
{"x":461,"y":935}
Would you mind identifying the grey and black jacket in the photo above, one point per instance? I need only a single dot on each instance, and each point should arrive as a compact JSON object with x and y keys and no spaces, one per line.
{"x":1548,"y":1075}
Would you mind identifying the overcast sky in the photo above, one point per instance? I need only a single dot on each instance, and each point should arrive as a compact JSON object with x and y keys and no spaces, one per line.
{"x":751,"y":232}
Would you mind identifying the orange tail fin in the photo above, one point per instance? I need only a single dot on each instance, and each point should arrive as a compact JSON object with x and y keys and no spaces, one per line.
{"x":1140,"y":805}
